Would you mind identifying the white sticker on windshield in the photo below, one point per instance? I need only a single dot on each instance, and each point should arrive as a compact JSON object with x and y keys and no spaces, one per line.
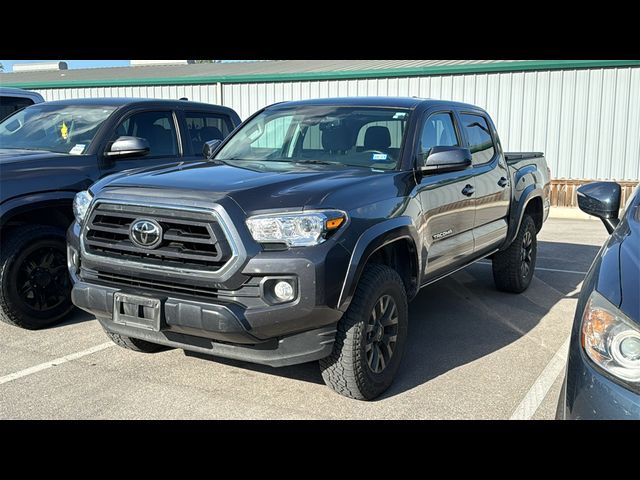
{"x":77,"y":149}
{"x":379,"y":156}
{"x":399,"y":115}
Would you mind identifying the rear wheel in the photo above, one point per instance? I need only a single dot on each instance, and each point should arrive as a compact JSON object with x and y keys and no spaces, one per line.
{"x":35,"y":288}
{"x":135,"y":344}
{"x":513,"y":268}
{"x":371,"y":337}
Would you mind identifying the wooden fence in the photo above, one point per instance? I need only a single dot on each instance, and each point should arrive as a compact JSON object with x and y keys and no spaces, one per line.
{"x":563,"y":192}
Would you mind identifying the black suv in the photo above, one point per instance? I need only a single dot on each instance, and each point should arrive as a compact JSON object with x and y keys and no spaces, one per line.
{"x":306,"y":234}
{"x":52,"y":150}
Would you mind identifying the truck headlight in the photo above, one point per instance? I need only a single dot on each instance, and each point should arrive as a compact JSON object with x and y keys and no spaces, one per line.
{"x":611,"y":339}
{"x":298,"y":229}
{"x":81,"y":203}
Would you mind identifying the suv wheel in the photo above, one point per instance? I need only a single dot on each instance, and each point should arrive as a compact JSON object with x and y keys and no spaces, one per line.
{"x":513,"y":268}
{"x":371,"y":337}
{"x":35,"y":288}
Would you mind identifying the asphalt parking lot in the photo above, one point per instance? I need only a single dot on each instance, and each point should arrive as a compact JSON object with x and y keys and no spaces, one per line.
{"x":473,"y":353}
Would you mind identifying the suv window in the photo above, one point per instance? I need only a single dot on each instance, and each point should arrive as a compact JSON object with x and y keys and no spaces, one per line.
{"x":156,"y":127}
{"x":8,"y":105}
{"x":480,"y":140}
{"x":204,"y":126}
{"x":438,"y":131}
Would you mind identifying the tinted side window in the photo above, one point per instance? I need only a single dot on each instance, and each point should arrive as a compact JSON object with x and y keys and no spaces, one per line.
{"x":156,"y":127}
{"x":204,"y":126}
{"x":8,"y":105}
{"x":480,"y":141}
{"x":438,"y":131}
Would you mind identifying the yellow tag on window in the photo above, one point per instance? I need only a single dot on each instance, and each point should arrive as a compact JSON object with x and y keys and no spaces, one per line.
{"x":64,"y":131}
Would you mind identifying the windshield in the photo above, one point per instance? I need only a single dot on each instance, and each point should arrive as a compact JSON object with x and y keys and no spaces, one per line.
{"x":55,"y":128}
{"x":355,"y":136}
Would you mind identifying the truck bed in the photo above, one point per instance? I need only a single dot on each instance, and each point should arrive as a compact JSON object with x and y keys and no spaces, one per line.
{"x":518,"y":156}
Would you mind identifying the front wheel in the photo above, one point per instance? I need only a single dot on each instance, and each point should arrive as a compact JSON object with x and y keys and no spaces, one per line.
{"x":35,"y":288}
{"x":513,"y":268}
{"x":371,"y":337}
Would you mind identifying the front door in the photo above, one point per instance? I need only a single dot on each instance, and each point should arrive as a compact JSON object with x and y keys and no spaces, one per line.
{"x":448,"y":209}
{"x":159,"y":128}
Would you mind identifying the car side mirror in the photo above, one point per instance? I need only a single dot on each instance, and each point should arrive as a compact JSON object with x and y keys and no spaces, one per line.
{"x":209,"y":148}
{"x":602,"y":200}
{"x":128,"y":147}
{"x":444,"y":159}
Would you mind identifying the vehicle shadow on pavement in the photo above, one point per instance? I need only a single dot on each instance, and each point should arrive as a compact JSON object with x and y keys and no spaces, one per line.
{"x":76,"y":316}
{"x":463,"y":318}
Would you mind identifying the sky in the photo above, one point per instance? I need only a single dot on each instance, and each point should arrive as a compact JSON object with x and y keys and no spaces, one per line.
{"x":8,"y":64}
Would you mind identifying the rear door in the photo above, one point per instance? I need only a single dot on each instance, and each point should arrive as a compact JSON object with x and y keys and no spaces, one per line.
{"x":492,"y":192}
{"x":200,"y":126}
{"x":447,"y":200}
{"x":159,"y":127}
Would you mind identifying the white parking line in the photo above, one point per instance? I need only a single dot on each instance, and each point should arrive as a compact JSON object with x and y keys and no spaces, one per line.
{"x":54,"y":363}
{"x":545,"y":269}
{"x":534,"y":397}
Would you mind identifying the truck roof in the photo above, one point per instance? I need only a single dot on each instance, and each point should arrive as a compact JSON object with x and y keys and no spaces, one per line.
{"x":393,"y":102}
{"x":121,"y":101}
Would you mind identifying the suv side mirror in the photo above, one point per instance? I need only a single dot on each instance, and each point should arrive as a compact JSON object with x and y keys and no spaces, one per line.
{"x":128,"y":147}
{"x":210,"y":147}
{"x":444,"y":159}
{"x":602,"y":200}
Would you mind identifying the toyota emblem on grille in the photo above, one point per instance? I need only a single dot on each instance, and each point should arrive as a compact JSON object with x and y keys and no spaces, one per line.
{"x":145,"y":233}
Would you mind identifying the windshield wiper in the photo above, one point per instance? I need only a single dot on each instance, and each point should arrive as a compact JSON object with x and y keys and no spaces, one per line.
{"x":319,"y":162}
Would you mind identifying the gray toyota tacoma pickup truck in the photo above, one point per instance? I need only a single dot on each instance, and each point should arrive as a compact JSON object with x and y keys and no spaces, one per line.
{"x":305,"y":234}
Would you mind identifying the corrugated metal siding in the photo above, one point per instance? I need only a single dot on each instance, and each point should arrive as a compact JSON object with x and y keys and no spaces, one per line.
{"x":586,"y":121}
{"x":197,"y":93}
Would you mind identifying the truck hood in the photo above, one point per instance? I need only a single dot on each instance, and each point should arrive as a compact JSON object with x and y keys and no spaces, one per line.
{"x":260,"y":186}
{"x":11,"y":155}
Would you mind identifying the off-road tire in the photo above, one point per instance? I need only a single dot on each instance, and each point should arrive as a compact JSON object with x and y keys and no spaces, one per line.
{"x":347,"y":370}
{"x":508,"y":264}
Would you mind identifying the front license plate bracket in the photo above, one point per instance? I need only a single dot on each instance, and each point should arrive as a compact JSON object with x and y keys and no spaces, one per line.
{"x":137,"y":311}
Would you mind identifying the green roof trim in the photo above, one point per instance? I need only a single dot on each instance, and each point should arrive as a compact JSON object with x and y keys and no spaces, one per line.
{"x":517,"y":66}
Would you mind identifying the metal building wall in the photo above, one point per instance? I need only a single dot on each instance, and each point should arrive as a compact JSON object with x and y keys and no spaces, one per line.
{"x":197,"y":93}
{"x":587,"y":122}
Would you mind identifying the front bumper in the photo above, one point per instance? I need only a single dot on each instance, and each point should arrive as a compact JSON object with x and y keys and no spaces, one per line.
{"x":234,"y":321}
{"x":589,"y":394}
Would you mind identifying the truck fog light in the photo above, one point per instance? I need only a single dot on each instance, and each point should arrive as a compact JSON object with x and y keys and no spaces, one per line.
{"x":283,"y":291}
{"x":277,"y":290}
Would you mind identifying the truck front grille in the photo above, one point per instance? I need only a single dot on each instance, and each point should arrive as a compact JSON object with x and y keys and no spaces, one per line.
{"x":190,"y":239}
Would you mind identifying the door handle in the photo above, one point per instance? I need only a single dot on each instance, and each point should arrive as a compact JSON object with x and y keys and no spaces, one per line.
{"x":468,"y":190}
{"x":503,"y":182}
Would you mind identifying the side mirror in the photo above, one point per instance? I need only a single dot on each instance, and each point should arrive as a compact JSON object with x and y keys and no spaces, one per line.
{"x":602,"y":200}
{"x":444,"y":159}
{"x":128,"y":147}
{"x":209,"y":148}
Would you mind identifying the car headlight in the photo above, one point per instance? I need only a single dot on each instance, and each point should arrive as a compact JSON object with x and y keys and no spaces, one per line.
{"x":81,"y":203}
{"x":296,"y":229}
{"x":611,"y":339}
